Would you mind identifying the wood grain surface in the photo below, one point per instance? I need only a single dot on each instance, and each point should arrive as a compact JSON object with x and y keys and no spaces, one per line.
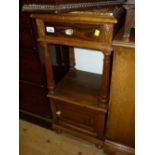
{"x":121,"y":116}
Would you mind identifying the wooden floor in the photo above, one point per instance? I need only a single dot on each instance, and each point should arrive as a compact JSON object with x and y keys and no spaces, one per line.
{"x":35,"y":140}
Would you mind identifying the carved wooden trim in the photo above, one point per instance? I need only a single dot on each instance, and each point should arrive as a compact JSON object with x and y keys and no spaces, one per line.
{"x":66,"y":7}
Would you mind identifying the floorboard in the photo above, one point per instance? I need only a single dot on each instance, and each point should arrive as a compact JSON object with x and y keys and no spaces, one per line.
{"x":35,"y":140}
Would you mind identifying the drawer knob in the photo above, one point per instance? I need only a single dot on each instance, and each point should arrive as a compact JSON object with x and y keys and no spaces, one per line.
{"x":97,"y":33}
{"x":58,"y":113}
{"x":69,"y":32}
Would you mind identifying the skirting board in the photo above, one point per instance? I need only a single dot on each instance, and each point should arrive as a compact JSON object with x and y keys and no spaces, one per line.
{"x":113,"y":147}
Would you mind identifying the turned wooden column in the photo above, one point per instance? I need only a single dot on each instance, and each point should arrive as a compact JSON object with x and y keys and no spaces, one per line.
{"x":71,"y":58}
{"x":48,"y":60}
{"x":49,"y":69}
{"x":106,"y":77}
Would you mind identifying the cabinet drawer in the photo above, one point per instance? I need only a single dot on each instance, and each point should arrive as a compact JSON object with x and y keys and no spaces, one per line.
{"x":79,"y":32}
{"x":78,"y":118}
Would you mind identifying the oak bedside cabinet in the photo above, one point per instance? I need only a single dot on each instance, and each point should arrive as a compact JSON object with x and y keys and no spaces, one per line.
{"x":79,"y":102}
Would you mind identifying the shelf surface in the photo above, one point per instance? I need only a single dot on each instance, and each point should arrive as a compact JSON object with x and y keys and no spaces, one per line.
{"x":79,"y":87}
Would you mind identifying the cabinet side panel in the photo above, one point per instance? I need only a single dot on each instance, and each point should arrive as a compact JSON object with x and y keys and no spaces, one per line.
{"x":121,"y":116}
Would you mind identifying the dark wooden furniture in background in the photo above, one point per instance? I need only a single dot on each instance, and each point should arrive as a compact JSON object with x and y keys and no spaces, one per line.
{"x":120,"y":129}
{"x":59,"y":6}
{"x":130,"y":18}
{"x":33,"y":102}
{"x":79,"y":101}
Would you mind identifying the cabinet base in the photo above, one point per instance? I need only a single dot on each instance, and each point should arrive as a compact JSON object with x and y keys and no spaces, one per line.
{"x":94,"y":140}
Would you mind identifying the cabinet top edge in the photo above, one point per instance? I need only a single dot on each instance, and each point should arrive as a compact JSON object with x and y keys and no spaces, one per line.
{"x":104,"y":15}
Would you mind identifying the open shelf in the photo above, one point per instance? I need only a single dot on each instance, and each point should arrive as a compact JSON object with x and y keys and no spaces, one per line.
{"x":79,"y":87}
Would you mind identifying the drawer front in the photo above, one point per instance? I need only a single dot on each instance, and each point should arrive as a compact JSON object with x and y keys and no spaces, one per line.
{"x":77,"y":118}
{"x":82,"y":32}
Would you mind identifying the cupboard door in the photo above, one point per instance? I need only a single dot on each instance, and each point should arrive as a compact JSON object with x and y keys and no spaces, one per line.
{"x":30,"y":68}
{"x":26,"y":36}
{"x":78,"y":118}
{"x":33,"y":99}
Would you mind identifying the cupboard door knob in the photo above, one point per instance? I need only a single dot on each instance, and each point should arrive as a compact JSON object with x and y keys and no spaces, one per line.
{"x":58,"y":113}
{"x":69,"y":32}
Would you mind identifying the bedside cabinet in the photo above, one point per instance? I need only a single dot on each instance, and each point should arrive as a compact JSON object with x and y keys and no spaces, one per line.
{"x":79,"y":102}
